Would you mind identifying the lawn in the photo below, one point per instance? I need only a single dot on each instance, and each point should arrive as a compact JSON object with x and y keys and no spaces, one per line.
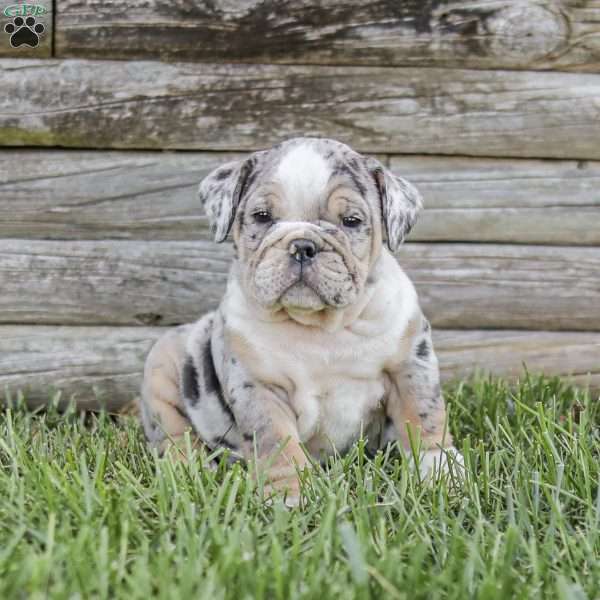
{"x":87,"y":511}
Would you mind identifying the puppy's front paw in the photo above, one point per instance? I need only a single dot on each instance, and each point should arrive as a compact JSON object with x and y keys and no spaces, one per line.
{"x":439,"y":461}
{"x":286,"y":491}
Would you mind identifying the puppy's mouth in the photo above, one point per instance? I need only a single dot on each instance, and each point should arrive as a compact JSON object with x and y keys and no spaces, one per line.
{"x":324,"y":281}
{"x":302,"y":296}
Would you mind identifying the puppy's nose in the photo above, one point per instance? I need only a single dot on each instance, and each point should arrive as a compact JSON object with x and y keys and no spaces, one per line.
{"x":303,"y":250}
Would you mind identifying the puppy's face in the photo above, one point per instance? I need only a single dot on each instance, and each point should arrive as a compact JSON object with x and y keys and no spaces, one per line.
{"x":308,"y":218}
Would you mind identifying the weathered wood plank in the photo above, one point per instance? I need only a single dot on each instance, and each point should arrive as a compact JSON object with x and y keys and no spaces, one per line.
{"x":469,"y":286}
{"x":102,"y":366}
{"x":106,"y":104}
{"x":505,"y":200}
{"x":505,"y":353}
{"x":152,"y":196}
{"x":22,"y":38}
{"x":95,"y":366}
{"x":500,"y":34}
{"x":100,"y":282}
{"x":460,"y":285}
{"x":103,"y":195}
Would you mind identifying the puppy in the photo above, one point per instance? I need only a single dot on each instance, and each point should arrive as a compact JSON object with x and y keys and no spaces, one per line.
{"x":319,"y":338}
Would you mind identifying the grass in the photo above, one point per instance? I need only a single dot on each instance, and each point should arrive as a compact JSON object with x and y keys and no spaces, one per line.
{"x":87,"y":512}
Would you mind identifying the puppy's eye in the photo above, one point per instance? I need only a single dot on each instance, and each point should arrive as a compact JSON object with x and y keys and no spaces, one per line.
{"x":351,"y":222}
{"x":262,"y":216}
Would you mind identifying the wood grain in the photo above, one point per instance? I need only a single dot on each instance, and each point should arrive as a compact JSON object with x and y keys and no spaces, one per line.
{"x":505,"y":200}
{"x":94,"y":366}
{"x":470,"y":286}
{"x":532,"y":34}
{"x":106,"y":104}
{"x":14,"y":47}
{"x":152,"y":196}
{"x":103,"y":282}
{"x":103,"y":195}
{"x":162,"y":283}
{"x":575,"y":355}
{"x":102,"y":366}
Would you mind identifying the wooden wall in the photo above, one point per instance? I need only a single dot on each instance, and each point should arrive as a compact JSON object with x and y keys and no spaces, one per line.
{"x":492,"y":108}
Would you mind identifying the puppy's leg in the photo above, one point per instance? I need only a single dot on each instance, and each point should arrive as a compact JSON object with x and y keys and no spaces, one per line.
{"x":416,"y":407}
{"x":163,"y":415}
{"x":270,"y":436}
{"x":263,"y":426}
{"x":255,"y":423}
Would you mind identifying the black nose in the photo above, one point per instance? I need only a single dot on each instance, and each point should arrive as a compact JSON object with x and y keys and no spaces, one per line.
{"x":303,"y":250}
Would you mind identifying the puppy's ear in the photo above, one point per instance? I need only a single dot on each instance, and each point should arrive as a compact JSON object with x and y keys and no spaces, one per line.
{"x":221,"y":191}
{"x":400,"y":203}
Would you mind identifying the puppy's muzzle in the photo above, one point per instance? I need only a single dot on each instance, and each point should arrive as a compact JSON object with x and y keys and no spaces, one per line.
{"x":303,"y":250}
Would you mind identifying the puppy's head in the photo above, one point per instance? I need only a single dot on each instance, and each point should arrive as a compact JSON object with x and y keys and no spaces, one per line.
{"x":308,"y":218}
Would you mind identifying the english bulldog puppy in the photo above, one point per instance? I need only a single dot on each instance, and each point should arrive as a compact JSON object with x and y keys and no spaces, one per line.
{"x":319,"y":338}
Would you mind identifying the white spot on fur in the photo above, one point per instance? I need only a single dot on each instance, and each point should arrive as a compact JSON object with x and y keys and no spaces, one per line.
{"x":303,"y":174}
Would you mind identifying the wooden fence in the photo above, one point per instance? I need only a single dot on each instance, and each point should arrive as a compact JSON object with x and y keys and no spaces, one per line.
{"x":107,"y":126}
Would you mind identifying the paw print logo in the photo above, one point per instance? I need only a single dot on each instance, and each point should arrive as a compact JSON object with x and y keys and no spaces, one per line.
{"x":24,"y":32}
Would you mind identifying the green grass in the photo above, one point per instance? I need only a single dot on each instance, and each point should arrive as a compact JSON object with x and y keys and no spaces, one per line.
{"x":86,"y":511}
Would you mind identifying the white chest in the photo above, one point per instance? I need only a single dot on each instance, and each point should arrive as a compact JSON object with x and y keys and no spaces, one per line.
{"x":335,"y":382}
{"x":336,"y":416}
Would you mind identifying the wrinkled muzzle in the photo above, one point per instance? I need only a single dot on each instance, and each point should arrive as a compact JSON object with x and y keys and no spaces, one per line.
{"x":304,"y":266}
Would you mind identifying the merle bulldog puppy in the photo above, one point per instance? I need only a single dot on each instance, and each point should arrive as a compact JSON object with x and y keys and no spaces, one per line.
{"x":319,"y":338}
